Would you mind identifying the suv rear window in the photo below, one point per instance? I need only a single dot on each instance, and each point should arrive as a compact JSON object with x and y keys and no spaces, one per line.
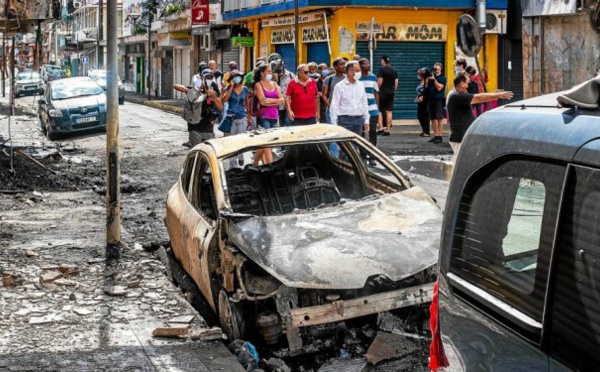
{"x":505,"y":229}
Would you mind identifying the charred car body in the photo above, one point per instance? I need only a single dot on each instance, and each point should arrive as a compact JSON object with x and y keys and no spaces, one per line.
{"x":290,"y":248}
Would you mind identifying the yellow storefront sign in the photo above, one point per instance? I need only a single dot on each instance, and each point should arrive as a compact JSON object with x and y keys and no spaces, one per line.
{"x":403,"y":32}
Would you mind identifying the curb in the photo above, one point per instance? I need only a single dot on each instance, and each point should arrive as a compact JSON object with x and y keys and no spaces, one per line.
{"x":157,"y":105}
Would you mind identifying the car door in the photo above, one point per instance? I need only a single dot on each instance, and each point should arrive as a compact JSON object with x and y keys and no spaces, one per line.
{"x":200,"y":220}
{"x":573,"y":321}
{"x":492,"y":299}
{"x":43,"y":107}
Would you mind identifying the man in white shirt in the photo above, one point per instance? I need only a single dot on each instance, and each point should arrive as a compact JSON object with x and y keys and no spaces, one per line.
{"x":349,"y":108}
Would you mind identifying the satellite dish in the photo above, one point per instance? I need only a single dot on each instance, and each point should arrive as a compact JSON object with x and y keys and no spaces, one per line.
{"x":467,"y":35}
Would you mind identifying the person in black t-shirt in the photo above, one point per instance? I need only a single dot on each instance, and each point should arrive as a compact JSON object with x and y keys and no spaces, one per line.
{"x":387,"y":80}
{"x":460,"y":111}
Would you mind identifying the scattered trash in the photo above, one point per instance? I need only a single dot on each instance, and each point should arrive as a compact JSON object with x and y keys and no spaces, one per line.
{"x":187,"y":319}
{"x":207,"y":334}
{"x":346,"y":365}
{"x":278,"y":365}
{"x":116,"y":291}
{"x":388,"y":346}
{"x":244,"y":355}
{"x":8,"y":280}
{"x":170,"y":332}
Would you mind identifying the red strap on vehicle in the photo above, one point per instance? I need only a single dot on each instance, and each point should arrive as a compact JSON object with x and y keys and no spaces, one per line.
{"x":437,"y":357}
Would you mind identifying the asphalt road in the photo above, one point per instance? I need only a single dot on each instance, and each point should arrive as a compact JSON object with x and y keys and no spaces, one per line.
{"x":58,"y":219}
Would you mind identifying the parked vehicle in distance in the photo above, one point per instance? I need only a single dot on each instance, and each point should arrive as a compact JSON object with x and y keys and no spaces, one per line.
{"x":519,"y":286}
{"x":304,"y":242}
{"x":28,"y":82}
{"x":46,"y":72}
{"x":57,"y":74}
{"x":72,"y":105}
{"x":100,"y":77}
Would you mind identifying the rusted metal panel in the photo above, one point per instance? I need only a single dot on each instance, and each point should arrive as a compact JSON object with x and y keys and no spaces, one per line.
{"x":558,"y":53}
{"x":394,"y":235}
{"x":349,"y":309}
{"x":388,"y":346}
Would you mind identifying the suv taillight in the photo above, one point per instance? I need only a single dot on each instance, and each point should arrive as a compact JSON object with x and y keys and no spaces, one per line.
{"x":437,"y":357}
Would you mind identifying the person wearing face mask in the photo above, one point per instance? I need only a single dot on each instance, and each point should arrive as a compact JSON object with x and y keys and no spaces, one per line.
{"x":236,"y":95}
{"x":460,"y":66}
{"x":269,"y":95}
{"x":435,"y":86}
{"x":349,"y":105}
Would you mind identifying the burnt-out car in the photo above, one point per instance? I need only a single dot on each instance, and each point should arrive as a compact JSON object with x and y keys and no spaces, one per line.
{"x":329,"y":230}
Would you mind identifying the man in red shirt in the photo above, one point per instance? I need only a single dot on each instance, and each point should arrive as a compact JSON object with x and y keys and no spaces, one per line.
{"x":302,"y":98}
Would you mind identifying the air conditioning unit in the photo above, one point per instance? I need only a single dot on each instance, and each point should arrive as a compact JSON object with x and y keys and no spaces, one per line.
{"x":495,"y":21}
{"x":77,"y":4}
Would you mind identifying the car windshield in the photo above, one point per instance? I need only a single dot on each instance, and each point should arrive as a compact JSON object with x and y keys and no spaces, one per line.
{"x":304,"y":176}
{"x":71,"y":89}
{"x":98,"y":75}
{"x":58,"y":73}
{"x":28,"y":75}
{"x":51,"y":68}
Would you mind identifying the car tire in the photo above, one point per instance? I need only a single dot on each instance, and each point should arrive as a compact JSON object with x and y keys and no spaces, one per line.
{"x":121,"y":100}
{"x":51,"y":135}
{"x":230,"y":317}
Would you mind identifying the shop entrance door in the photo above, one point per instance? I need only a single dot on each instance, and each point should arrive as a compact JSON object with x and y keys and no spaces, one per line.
{"x":318,"y":53}
{"x":406,"y":58}
{"x":288,"y":53}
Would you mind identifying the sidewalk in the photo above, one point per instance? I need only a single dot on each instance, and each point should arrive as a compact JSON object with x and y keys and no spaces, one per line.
{"x":171,"y":105}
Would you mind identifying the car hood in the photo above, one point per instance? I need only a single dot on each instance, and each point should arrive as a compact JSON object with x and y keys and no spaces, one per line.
{"x":77,"y":102}
{"x":395,"y":235}
{"x":29,"y":81}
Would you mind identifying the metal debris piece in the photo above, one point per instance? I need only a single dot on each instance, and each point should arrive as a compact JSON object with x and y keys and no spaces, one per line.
{"x":277,"y":364}
{"x":115,"y":291}
{"x":8,"y":280}
{"x":49,"y":277}
{"x":389,"y":322}
{"x":388,"y":346}
{"x":346,"y":365}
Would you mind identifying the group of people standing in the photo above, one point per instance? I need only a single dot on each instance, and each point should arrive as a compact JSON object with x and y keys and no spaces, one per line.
{"x":347,"y":94}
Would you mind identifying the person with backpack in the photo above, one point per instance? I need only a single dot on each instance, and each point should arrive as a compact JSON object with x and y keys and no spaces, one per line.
{"x":201,"y":109}
{"x":236,"y":94}
{"x":330,"y":83}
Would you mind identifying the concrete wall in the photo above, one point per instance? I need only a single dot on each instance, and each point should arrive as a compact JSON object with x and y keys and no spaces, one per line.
{"x":558,"y":52}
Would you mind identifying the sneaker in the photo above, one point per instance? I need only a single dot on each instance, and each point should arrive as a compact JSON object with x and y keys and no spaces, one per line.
{"x":432,"y":139}
{"x":386,"y":133}
{"x":438,"y":140}
{"x":423,"y":134}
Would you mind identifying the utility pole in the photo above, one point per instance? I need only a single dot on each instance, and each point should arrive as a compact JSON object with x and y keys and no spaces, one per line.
{"x":296,"y":35}
{"x":113,"y":200}
{"x":99,"y":49}
{"x":149,"y":72}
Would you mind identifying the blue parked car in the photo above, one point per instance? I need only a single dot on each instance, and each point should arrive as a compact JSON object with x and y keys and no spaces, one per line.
{"x":72,"y":105}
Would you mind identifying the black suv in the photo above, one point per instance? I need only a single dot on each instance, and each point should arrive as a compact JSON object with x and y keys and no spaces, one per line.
{"x":519,"y":285}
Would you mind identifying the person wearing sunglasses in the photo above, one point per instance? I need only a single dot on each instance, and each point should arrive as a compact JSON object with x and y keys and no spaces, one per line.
{"x":302,"y":98}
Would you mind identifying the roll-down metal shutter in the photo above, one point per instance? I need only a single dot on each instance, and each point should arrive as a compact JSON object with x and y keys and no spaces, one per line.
{"x":406,"y":58}
{"x":288,"y":53}
{"x":318,"y":53}
{"x":230,"y":53}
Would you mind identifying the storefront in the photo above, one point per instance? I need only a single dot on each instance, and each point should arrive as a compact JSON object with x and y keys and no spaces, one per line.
{"x":345,"y":32}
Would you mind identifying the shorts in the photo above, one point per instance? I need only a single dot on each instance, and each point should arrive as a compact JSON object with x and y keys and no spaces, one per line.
{"x":436,"y":110}
{"x":266,"y":123}
{"x":386,"y":102}
{"x":306,"y":121}
{"x":199,"y":137}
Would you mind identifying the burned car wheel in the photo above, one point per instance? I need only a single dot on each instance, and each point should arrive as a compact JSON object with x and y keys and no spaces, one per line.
{"x":230,"y":317}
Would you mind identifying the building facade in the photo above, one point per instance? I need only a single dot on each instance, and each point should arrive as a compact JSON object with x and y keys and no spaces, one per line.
{"x":413,"y":34}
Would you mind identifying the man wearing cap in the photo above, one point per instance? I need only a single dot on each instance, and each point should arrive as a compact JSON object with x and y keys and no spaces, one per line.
{"x":218,"y":75}
{"x":349,"y":108}
{"x":203,"y":130}
{"x":302,"y":98}
{"x":197,"y":79}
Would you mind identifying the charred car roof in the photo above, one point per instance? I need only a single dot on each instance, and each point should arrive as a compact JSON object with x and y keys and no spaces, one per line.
{"x":277,"y":137}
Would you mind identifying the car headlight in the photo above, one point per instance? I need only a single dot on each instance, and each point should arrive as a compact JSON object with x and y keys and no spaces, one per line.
{"x":55,"y":113}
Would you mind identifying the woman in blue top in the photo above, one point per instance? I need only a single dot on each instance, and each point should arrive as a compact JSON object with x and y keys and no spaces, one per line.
{"x":237,"y":96}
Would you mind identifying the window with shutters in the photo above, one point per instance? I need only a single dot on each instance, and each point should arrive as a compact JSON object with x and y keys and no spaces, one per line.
{"x":575,"y":304}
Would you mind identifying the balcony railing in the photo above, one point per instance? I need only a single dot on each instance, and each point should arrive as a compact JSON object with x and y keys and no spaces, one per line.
{"x":233,"y":5}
